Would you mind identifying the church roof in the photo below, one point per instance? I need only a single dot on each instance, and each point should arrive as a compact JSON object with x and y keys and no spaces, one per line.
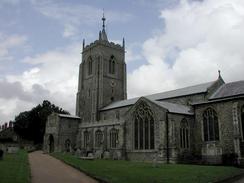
{"x":191,"y":90}
{"x":175,"y":108}
{"x":68,"y":116}
{"x":227,"y":90}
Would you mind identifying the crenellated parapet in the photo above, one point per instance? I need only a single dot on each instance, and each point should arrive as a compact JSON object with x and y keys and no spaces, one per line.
{"x":103,"y":43}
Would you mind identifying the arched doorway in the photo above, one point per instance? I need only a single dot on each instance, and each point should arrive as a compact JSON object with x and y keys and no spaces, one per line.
{"x":51,"y":143}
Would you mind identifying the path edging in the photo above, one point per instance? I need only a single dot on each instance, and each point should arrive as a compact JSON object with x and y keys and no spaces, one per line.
{"x":231,"y":179}
{"x":83,"y":171}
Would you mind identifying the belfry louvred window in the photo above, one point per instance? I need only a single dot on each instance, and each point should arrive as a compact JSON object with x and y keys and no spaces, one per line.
{"x":210,"y":125}
{"x":112,"y":65}
{"x":143,"y":127}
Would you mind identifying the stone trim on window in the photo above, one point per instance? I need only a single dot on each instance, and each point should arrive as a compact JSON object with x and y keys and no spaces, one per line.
{"x":114,"y":138}
{"x":210,"y":125}
{"x":86,"y":138}
{"x":143,"y":128}
{"x":111,"y":65}
{"x":98,"y":138}
{"x":184,"y":134}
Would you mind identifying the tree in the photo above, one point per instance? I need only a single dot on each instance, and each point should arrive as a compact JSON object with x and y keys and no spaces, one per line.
{"x":31,"y":124}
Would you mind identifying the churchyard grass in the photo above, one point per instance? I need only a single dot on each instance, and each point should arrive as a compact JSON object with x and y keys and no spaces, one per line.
{"x":14,"y":168}
{"x":119,"y":171}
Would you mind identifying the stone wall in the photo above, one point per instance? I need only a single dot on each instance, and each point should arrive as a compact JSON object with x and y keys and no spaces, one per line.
{"x":174,"y":122}
{"x":105,"y":127}
{"x":212,"y":151}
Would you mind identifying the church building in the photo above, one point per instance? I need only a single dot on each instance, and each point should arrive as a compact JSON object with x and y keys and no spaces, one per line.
{"x":200,"y":123}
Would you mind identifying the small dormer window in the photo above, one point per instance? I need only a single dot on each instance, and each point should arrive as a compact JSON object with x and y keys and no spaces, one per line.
{"x":112,"y":65}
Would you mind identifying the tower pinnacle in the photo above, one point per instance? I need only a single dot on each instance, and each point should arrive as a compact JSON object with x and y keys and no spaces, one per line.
{"x":103,"y":35}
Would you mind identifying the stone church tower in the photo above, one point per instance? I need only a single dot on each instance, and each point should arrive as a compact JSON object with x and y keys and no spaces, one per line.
{"x":102,"y":77}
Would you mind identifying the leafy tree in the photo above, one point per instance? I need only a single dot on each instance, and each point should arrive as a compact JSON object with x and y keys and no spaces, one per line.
{"x":31,"y":124}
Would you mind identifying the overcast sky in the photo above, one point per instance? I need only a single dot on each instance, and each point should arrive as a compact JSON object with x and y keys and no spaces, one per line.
{"x":169,"y":44}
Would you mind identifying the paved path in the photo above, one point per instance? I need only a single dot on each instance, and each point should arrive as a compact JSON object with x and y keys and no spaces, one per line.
{"x":46,"y":169}
{"x":239,"y":181}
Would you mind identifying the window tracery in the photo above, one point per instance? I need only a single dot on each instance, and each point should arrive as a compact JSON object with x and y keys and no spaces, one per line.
{"x":143,"y":127}
{"x":98,"y":138}
{"x":210,"y":125}
{"x":184,"y":134}
{"x":114,"y":138}
{"x":112,"y":65}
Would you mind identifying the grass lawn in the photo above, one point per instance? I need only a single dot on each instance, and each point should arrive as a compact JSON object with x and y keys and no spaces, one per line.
{"x":135,"y":172}
{"x":14,"y":168}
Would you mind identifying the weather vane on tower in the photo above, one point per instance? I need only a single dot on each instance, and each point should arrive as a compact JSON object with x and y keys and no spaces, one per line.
{"x":103,"y":19}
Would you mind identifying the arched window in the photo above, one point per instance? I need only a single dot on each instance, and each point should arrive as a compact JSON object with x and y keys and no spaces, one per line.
{"x":112,"y":65}
{"x":210,"y":125}
{"x":98,"y":138}
{"x":67,"y":145}
{"x":114,"y":138}
{"x":86,"y":139}
{"x":90,"y":65}
{"x":184,"y":134}
{"x":242,"y":121}
{"x":143,"y":127}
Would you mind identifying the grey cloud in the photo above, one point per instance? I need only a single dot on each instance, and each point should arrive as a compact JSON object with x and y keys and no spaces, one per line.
{"x":13,"y":90}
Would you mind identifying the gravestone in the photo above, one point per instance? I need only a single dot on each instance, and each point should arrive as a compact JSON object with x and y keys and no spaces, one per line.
{"x":78,"y":152}
{"x":106,"y":155}
{"x":13,"y":150}
{"x":98,"y":154}
{"x":90,"y":155}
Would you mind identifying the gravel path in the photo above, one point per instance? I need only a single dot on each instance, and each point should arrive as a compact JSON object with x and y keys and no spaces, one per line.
{"x":46,"y":169}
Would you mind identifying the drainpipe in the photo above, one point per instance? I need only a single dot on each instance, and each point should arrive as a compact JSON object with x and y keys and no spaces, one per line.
{"x":167,"y":138}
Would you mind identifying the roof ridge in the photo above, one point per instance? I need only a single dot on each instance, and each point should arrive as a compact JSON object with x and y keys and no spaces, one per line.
{"x":156,"y":96}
